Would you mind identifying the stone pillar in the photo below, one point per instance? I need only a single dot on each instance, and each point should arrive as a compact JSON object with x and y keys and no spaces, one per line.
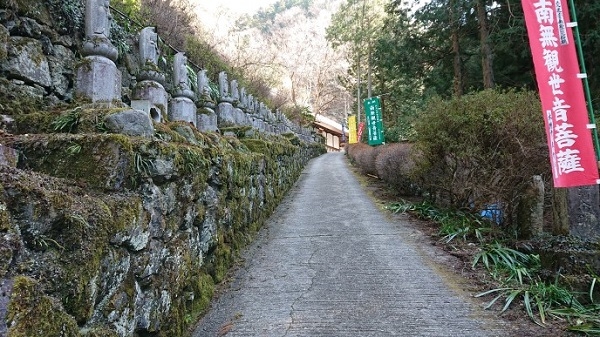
{"x":98,"y":78}
{"x":224,"y":95}
{"x":235,"y":93}
{"x":584,"y":212}
{"x":243,"y":99}
{"x":151,"y":86}
{"x":225,"y":110}
{"x":182,"y":106}
{"x":207,"y":117}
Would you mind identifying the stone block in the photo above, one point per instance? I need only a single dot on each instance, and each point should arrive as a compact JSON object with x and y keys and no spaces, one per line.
{"x":225,"y":115}
{"x":131,"y":123}
{"x":156,"y":94}
{"x":207,"y":121}
{"x":183,"y":109}
{"x":98,"y":79}
{"x":26,"y":61}
{"x":61,"y":69}
{"x":146,"y":106}
{"x":240,"y":117}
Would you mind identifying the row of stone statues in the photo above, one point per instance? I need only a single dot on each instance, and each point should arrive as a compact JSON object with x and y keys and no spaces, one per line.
{"x":99,"y":80}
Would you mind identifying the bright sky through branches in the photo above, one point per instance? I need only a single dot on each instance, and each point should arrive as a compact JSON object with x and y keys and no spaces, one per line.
{"x":210,"y":12}
{"x":238,"y":6}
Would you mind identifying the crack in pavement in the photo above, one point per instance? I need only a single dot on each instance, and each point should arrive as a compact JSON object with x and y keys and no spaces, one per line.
{"x":309,"y":289}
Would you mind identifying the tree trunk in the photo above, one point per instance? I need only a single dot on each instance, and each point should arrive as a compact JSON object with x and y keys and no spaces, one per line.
{"x":486,"y":49}
{"x":358,"y":105}
{"x":369,"y":76}
{"x":457,"y":64}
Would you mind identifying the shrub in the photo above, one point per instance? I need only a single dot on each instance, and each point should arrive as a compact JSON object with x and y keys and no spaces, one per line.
{"x":354,"y":150}
{"x":394,"y":165}
{"x":481,"y":148}
{"x":367,"y":160}
{"x":363,"y":156}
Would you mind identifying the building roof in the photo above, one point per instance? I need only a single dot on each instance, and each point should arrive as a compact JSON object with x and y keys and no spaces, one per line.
{"x":329,"y":125}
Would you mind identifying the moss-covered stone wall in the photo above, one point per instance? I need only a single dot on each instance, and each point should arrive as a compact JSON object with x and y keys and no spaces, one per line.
{"x":103,"y":234}
{"x":107,"y":235}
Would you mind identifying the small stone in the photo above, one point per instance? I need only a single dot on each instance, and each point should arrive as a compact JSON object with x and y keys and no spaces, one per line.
{"x":8,"y":156}
{"x":131,"y":123}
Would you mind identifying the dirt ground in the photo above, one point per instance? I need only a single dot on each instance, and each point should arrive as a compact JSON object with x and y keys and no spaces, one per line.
{"x":454,"y":261}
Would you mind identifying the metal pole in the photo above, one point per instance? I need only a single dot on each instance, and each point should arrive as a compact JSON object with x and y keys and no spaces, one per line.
{"x":586,"y":85}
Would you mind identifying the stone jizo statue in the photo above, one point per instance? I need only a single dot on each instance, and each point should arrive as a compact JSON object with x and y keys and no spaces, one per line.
{"x":97,"y":30}
{"x":243,"y":98}
{"x":149,"y":53}
{"x":97,"y":18}
{"x":148,"y":46}
{"x":181,"y":81}
{"x":224,"y":88}
{"x":204,"y":89}
{"x":235,"y":94}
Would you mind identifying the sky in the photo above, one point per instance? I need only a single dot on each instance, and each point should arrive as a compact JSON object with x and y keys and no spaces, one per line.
{"x":210,"y":12}
{"x":239,"y":6}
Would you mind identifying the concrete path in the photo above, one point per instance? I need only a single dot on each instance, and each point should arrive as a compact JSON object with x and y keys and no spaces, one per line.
{"x":329,"y":263}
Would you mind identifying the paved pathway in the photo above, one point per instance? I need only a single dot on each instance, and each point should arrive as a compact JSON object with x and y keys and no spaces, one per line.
{"x":329,"y":263}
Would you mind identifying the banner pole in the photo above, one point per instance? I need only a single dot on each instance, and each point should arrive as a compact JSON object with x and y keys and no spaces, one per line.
{"x":586,"y":85}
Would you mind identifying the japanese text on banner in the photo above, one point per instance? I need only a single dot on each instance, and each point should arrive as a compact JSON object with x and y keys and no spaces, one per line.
{"x":561,"y":92}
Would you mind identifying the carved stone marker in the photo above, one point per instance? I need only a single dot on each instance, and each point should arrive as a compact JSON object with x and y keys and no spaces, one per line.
{"x":204,"y":91}
{"x":224,"y":95}
{"x":149,"y":54}
{"x":206,"y":116}
{"x":182,"y":106}
{"x":98,"y":78}
{"x":235,"y":93}
{"x":150,"y":88}
{"x":243,"y":99}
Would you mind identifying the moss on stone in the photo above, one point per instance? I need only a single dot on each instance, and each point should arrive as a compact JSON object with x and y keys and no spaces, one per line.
{"x":164,"y":132}
{"x":32,"y":313}
{"x":96,"y":160}
{"x":256,"y":145}
{"x":103,"y":204}
{"x":238,"y":131}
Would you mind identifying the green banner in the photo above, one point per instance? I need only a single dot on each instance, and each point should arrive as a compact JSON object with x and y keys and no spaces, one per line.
{"x":374,"y":120}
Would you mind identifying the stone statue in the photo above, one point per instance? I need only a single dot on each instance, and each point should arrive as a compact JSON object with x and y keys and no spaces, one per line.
{"x":98,"y":78}
{"x":204,"y":89}
{"x":97,"y":30}
{"x":224,"y":88}
{"x":182,"y":106}
{"x":250,"y":103}
{"x":235,"y":93}
{"x":148,"y":46}
{"x":97,"y":18}
{"x":181,"y":81}
{"x":149,"y":52}
{"x":243,"y":98}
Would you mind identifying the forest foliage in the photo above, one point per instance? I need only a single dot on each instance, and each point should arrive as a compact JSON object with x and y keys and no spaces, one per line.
{"x":446,"y":48}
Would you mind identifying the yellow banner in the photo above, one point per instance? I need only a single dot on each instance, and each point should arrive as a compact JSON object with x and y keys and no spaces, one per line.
{"x":352,"y":137}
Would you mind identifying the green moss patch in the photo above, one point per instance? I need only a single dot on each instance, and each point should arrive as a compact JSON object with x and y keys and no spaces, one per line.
{"x":32,"y":313}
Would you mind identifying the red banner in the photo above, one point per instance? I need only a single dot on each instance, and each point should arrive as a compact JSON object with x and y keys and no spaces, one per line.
{"x":563,"y":103}
{"x":361,"y":128}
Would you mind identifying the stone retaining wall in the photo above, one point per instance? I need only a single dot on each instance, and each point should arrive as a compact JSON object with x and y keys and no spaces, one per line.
{"x":109,"y":226}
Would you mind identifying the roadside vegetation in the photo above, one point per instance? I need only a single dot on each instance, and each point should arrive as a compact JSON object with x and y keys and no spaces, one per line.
{"x":469,"y":171}
{"x":515,"y":277}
